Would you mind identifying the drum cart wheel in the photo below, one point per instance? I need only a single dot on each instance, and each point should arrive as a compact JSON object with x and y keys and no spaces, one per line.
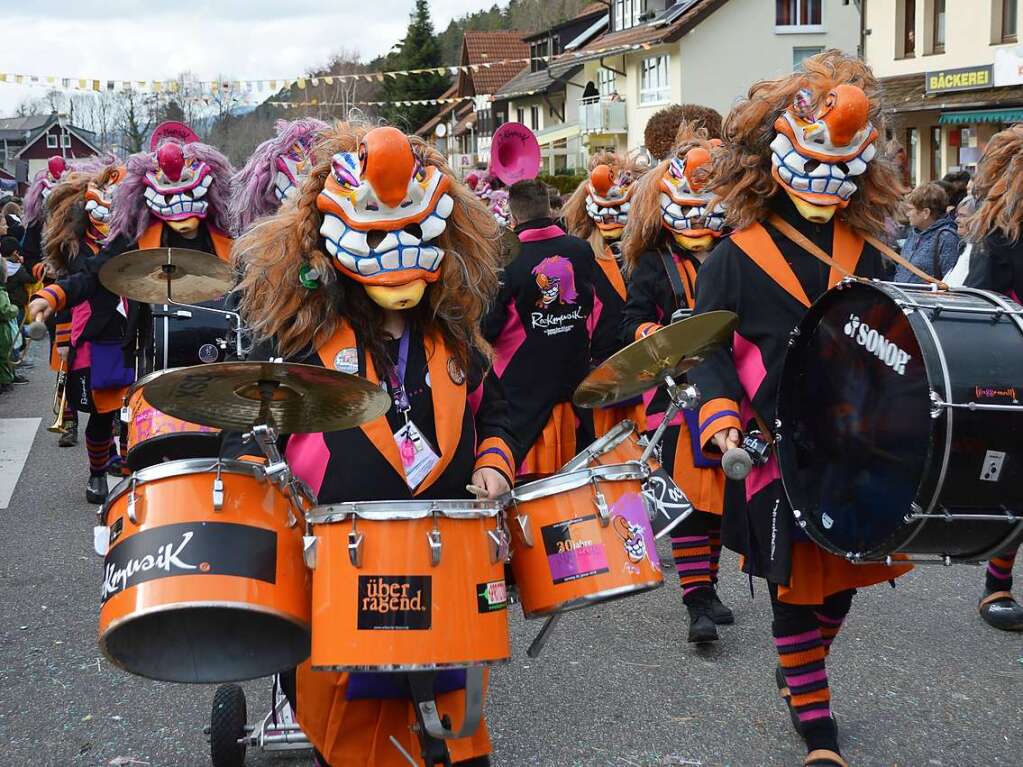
{"x":228,"y":729}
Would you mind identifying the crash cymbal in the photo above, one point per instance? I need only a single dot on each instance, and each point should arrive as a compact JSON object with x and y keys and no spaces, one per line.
{"x":644,"y":364}
{"x":237,"y":395}
{"x":141,"y":275}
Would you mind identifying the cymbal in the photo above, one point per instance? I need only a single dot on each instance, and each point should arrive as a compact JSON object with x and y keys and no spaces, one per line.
{"x":235,"y":396}
{"x":141,"y":275}
{"x":644,"y":364}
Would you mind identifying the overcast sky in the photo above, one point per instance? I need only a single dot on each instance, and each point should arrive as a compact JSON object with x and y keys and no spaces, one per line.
{"x":157,"y":39}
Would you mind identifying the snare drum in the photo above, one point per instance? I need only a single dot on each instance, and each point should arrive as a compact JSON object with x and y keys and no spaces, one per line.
{"x":408,"y":585}
{"x":582,"y":537}
{"x":154,"y":436}
{"x":203,"y":574}
{"x":667,"y":504}
{"x":901,"y":423}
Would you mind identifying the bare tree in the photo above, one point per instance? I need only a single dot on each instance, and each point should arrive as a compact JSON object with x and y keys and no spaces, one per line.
{"x":135,"y":115}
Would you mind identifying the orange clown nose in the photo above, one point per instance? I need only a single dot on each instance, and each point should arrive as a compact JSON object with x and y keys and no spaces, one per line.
{"x":696,"y":158}
{"x":602,"y":179}
{"x":387,"y":164}
{"x":847,"y":108}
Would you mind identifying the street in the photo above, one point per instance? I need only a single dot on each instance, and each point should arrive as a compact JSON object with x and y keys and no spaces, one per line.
{"x":918,"y":678}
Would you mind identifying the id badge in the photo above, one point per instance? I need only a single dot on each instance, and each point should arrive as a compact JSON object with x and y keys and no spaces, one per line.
{"x":417,"y":455}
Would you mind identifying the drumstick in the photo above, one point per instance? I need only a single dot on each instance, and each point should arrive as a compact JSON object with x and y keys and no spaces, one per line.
{"x":479,"y":492}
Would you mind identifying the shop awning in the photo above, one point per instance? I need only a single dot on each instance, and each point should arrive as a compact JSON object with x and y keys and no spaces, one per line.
{"x":981,"y":116}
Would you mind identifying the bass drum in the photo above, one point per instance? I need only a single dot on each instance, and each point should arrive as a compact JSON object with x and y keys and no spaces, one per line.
{"x":900,"y":425}
{"x":189,"y":336}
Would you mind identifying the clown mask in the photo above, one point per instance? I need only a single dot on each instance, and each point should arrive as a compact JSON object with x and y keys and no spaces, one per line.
{"x":291,"y":168}
{"x":99,"y":206}
{"x":55,"y":168}
{"x":686,"y":207}
{"x":821,"y":148}
{"x":175,"y":191}
{"x":607,"y":200}
{"x":383,"y":210}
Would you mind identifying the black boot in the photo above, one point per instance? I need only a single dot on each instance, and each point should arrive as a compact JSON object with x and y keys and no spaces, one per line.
{"x":701,"y":624}
{"x":96,"y":490}
{"x":1001,"y":611}
{"x":720,"y":613}
{"x":69,"y":437}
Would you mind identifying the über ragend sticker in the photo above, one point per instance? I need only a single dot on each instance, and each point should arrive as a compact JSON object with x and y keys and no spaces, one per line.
{"x":395,"y":602}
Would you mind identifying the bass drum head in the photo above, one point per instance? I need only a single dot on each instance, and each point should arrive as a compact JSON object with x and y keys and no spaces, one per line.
{"x":855,"y":424}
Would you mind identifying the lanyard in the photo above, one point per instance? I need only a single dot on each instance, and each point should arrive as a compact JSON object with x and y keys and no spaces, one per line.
{"x":396,"y":376}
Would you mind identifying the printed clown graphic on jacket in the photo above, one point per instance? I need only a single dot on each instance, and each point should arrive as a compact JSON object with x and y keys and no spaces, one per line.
{"x":556,"y":281}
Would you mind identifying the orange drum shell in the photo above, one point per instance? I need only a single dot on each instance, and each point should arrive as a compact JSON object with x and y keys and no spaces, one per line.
{"x":188,"y":498}
{"x":572,"y":516}
{"x":460,"y":633}
{"x":146,"y":422}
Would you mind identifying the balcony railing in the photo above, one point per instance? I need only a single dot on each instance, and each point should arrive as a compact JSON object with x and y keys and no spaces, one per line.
{"x":602,"y":115}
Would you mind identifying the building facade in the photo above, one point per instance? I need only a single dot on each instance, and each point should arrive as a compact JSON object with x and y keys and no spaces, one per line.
{"x":953,"y":76}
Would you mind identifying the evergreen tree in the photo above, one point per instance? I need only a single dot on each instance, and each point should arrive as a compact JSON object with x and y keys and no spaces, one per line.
{"x":420,"y":49}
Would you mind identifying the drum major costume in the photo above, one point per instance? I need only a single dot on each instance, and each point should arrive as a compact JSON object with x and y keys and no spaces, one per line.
{"x":402,"y":308}
{"x":672,"y":227}
{"x":813,"y":176}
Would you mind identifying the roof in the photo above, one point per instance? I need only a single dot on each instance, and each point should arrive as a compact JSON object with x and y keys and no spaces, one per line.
{"x":593,"y":9}
{"x":427,"y":127}
{"x":667,"y":27}
{"x":906,"y":94}
{"x":465,"y":123}
{"x":526,"y":82}
{"x":482,"y":48}
{"x":15,"y":128}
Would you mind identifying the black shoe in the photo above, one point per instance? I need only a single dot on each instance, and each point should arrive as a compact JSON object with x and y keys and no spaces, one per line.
{"x":1001,"y":611}
{"x":19,"y":379}
{"x":96,"y":490}
{"x":720,"y":613}
{"x":701,"y":625}
{"x":69,"y":437}
{"x":116,"y":467}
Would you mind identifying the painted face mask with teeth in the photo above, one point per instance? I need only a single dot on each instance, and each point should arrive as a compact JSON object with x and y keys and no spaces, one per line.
{"x":291,"y":168}
{"x":99,"y":205}
{"x":686,"y":206}
{"x":175,"y":191}
{"x":55,"y":168}
{"x":821,"y":148}
{"x":608,"y":200}
{"x":383,"y":210}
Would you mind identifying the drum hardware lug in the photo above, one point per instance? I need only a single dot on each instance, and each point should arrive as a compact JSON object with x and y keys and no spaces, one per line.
{"x":802,"y":524}
{"x":498,"y":543}
{"x":797,"y":513}
{"x":355,"y":540}
{"x":525,"y":528}
{"x":433,"y":539}
{"x":937,"y":405}
{"x":218,"y":490}
{"x":601,"y":503}
{"x":309,"y":551}
{"x":131,"y":502}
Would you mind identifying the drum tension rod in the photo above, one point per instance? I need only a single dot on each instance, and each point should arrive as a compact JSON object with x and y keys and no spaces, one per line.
{"x":434,"y":541}
{"x":218,"y":490}
{"x":355,"y":539}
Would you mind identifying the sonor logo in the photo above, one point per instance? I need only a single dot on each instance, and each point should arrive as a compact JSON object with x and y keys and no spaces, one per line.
{"x":875,"y":343}
{"x":395,"y":602}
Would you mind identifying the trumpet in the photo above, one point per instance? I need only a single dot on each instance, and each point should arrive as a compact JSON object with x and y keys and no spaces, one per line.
{"x":59,"y":401}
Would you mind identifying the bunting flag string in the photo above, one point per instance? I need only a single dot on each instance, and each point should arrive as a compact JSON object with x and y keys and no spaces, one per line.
{"x":301,"y":82}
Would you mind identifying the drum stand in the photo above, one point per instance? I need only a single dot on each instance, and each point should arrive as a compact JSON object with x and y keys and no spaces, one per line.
{"x":683,"y":397}
{"x":432,"y":729}
{"x":234,"y":317}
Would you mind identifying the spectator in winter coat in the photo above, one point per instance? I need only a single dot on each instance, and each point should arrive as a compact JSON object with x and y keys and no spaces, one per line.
{"x":933,"y":241}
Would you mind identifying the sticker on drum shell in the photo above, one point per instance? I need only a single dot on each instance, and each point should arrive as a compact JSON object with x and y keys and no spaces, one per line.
{"x":395,"y":602}
{"x":574,"y":549}
{"x":630,"y":521}
{"x":491,"y":596}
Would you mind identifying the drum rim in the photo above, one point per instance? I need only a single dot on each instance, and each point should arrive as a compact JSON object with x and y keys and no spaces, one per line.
{"x":147,"y":378}
{"x":415,"y":666}
{"x":591,"y":600}
{"x":615,"y":436}
{"x":385,"y":511}
{"x":573,"y":480}
{"x":156,"y":609}
{"x":180,"y":468}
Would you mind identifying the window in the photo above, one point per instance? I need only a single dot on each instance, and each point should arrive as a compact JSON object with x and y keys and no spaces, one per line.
{"x":936,"y":153}
{"x":1009,"y":23}
{"x":606,"y":82}
{"x":797,"y":15}
{"x":51,"y":141}
{"x":534,"y":117}
{"x":627,"y":13}
{"x":912,"y":142}
{"x":938,"y":26}
{"x":520,"y":115}
{"x":909,"y":28}
{"x":653,"y":80}
{"x":65,"y":140}
{"x":799,"y":55}
{"x":538,"y":53}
